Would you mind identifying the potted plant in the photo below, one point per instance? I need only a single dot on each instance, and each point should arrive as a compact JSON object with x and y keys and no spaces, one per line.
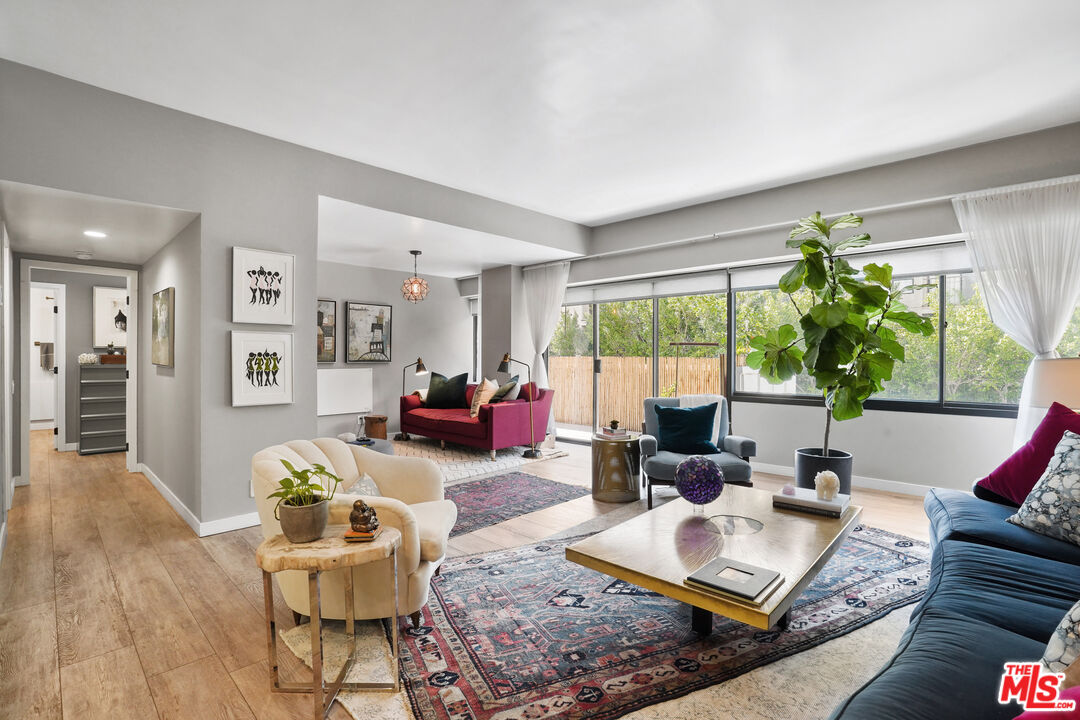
{"x":303,"y":504}
{"x":846,"y":340}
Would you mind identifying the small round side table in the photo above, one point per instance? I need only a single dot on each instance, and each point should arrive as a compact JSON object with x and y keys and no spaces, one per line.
{"x":615,"y":467}
{"x":330,"y":552}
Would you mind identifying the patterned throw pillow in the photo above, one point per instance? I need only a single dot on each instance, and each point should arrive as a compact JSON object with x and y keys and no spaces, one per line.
{"x":483,"y":394}
{"x":1064,"y":646}
{"x":1052,"y":508}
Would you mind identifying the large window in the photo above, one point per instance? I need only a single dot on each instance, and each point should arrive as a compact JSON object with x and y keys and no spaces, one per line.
{"x":966,"y":365}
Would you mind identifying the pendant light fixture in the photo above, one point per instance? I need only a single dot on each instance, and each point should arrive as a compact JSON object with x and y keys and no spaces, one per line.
{"x":415,"y":288}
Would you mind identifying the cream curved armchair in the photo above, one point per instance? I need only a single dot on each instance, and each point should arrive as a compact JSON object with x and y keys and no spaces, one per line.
{"x":412,"y":501}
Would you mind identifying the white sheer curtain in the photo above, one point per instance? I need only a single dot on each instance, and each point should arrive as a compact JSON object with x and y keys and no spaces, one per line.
{"x":1024,"y":242}
{"x":545,"y":288}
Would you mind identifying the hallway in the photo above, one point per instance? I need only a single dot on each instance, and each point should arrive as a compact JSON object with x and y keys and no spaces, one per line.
{"x":111,"y":607}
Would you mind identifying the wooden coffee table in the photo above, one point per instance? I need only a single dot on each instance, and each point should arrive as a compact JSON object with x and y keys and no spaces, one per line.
{"x":658,"y":549}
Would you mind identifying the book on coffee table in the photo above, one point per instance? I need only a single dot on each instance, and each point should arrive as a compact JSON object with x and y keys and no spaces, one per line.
{"x":806,"y":500}
{"x":736,"y":579}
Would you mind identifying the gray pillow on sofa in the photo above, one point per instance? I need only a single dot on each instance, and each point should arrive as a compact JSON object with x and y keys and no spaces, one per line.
{"x":1052,"y":508}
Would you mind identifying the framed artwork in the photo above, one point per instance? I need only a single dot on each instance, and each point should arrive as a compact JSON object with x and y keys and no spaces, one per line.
{"x":367,"y":332}
{"x":162,"y":340}
{"x":110,"y":316}
{"x":262,"y":368}
{"x":262,"y":286}
{"x":327,"y":330}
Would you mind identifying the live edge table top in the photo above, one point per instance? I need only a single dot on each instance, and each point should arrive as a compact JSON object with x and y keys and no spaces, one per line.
{"x":329,"y":552}
{"x":658,"y":549}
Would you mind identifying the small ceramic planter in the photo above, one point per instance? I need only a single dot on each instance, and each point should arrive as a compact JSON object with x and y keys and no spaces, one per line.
{"x":305,"y":523}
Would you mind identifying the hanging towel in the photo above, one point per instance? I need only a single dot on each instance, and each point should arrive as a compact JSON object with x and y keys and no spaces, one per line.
{"x":48,"y":359}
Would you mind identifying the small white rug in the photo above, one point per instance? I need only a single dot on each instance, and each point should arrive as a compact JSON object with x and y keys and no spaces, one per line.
{"x":459,"y":462}
{"x":807,"y":685}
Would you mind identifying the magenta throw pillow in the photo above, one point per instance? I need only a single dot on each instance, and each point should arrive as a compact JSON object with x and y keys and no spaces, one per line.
{"x":1014,"y":478}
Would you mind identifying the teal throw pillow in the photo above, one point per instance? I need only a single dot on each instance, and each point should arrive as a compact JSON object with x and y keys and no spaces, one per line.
{"x":688,"y":431}
{"x":444,"y":392}
{"x":504,"y":390}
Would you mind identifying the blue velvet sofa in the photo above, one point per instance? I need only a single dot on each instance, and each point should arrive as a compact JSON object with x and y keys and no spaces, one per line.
{"x":996,"y":593}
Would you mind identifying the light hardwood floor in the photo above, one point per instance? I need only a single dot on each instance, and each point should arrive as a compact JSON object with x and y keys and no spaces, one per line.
{"x":112,"y":608}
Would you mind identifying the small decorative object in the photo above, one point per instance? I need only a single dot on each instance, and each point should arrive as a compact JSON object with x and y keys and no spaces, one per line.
{"x":414,"y":289}
{"x":89,"y":359}
{"x":110,"y":316}
{"x":262,"y":286}
{"x":788,"y":489}
{"x":699,"y":480}
{"x":367,"y":332}
{"x":303,"y":504}
{"x":347,"y":437}
{"x":614,"y":424}
{"x":326,"y":312}
{"x":364,"y":523}
{"x":262,"y":368}
{"x":162,"y":340}
{"x":827,"y":484}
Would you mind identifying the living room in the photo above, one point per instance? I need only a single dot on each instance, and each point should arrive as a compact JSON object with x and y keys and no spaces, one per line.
{"x":602,"y":201}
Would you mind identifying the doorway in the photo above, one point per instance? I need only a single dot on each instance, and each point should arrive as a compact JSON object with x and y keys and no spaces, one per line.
{"x":95,"y":409}
{"x":48,"y":371}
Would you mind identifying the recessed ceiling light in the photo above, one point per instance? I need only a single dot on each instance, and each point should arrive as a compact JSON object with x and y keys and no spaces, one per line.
{"x":94,"y":234}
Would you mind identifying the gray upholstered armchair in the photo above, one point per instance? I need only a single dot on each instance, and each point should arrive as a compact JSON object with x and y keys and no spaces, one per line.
{"x":658,"y":466}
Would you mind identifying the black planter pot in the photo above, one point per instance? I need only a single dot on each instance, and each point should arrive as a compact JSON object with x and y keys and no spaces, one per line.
{"x":810,"y":461}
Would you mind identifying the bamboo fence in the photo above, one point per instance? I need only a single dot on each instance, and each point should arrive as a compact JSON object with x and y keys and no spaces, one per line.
{"x":624,"y":383}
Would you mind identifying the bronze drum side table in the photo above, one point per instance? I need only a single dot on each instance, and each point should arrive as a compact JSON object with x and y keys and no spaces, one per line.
{"x":616,"y":464}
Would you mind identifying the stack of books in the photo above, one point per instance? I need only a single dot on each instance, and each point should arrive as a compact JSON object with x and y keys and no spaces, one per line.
{"x":735,"y":579}
{"x":617,"y":434}
{"x":806,"y":500}
{"x":354,"y":536}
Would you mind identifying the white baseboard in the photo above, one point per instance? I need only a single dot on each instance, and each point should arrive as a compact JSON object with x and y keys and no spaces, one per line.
{"x":859,"y":481}
{"x":68,"y":447}
{"x":202,"y":529}
{"x":236,"y":522}
{"x":3,"y":540}
{"x":170,"y":497}
{"x":17,"y":481}
{"x":42,"y":424}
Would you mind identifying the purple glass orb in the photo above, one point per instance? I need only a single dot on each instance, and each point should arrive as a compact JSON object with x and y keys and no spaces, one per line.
{"x":699,"y":480}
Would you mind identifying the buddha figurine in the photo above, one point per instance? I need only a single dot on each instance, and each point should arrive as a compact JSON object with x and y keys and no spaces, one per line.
{"x":363,"y":518}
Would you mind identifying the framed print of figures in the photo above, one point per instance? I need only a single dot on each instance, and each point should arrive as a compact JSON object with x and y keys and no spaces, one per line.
{"x":367,"y":332}
{"x":110,"y":316}
{"x":262,"y":372}
{"x":162,"y":340}
{"x":262,"y":286}
{"x":326,"y":331}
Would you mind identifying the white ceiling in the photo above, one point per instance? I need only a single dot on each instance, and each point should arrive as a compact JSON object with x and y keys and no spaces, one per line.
{"x":360,"y":235}
{"x":51,"y":222}
{"x":590,"y":110}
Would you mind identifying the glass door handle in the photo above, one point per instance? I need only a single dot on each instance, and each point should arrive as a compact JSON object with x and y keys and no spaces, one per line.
{"x":596,"y":365}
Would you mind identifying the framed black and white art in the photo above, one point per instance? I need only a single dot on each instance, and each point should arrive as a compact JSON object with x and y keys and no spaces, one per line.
{"x":367,"y":332}
{"x":262,"y":286}
{"x":262,"y":368}
{"x":110,"y":317}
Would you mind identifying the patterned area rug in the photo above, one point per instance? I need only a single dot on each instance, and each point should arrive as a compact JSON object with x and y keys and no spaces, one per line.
{"x":524,"y":633}
{"x":459,"y":462}
{"x":502,"y":497}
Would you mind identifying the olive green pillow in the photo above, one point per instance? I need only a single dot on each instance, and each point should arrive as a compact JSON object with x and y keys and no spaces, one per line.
{"x":444,"y":392}
{"x":504,"y":390}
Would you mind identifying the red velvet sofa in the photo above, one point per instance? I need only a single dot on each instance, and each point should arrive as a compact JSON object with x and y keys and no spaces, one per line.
{"x":499,"y":425}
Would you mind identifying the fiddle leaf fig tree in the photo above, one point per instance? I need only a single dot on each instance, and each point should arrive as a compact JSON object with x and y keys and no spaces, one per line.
{"x":846,"y":340}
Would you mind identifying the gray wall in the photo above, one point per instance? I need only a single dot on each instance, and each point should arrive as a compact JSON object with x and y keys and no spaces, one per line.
{"x":252,"y":191}
{"x":7,"y":439}
{"x":439,"y":330}
{"x":78,"y":333}
{"x":504,"y":325}
{"x":169,"y":438}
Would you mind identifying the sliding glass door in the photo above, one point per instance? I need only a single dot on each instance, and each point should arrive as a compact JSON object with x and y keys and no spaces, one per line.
{"x":625,"y":353}
{"x":570,"y":372}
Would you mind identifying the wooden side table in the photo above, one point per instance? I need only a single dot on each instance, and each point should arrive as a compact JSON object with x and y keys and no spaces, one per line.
{"x":375,"y":426}
{"x":616,"y":463}
{"x":330,"y":552}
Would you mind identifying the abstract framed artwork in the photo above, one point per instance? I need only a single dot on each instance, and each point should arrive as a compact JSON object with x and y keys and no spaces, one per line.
{"x":262,"y":286}
{"x":162,"y":336}
{"x":326,"y":331}
{"x":110,"y":316}
{"x":367,"y":332}
{"x":262,"y":368}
